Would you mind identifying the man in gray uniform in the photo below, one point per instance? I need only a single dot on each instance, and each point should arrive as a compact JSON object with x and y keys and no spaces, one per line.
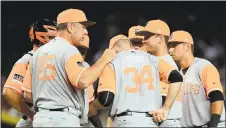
{"x":203,"y":97}
{"x":157,"y":42}
{"x":40,"y":32}
{"x":58,"y":77}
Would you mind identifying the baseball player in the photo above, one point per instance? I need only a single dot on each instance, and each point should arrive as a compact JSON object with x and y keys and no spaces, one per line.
{"x":131,"y":84}
{"x":57,"y":78}
{"x":136,"y":40}
{"x":203,"y":98}
{"x":40,"y":32}
{"x":137,"y":43}
{"x":157,"y":42}
{"x":92,"y":114}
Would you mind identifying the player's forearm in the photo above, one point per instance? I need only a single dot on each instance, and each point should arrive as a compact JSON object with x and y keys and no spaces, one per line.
{"x":17,"y":101}
{"x":109,"y":122}
{"x":92,"y":109}
{"x":173,"y":91}
{"x":217,"y":107}
{"x":28,"y":96}
{"x":98,"y":105}
{"x":217,"y":101}
{"x":216,"y":111}
{"x":91,"y":74}
{"x":93,"y":115}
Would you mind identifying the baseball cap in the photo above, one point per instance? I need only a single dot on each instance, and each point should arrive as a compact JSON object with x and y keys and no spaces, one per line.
{"x":73,"y":15}
{"x":117,"y":38}
{"x":85,"y":42}
{"x":156,"y":27}
{"x":181,"y":36}
{"x":132,"y":32}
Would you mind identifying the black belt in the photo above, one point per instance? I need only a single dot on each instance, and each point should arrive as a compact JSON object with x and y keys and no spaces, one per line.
{"x":131,"y":113}
{"x":24,"y":117}
{"x":200,"y":126}
{"x":58,"y":110}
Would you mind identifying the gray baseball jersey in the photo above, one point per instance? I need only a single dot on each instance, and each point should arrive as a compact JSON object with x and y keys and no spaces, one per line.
{"x":176,"y":109}
{"x":18,"y":72}
{"x":55,"y":69}
{"x":200,"y":79}
{"x":136,"y":83}
{"x":15,"y":81}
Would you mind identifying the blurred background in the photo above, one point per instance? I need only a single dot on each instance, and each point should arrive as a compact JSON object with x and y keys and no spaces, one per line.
{"x":204,"y":20}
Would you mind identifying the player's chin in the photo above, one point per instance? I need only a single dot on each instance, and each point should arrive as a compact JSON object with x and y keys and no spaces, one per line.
{"x":174,"y":57}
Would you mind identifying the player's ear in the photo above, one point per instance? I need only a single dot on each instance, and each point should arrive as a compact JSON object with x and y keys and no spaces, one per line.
{"x":187,"y":46}
{"x":116,"y":48}
{"x":69,"y":27}
{"x":160,"y":38}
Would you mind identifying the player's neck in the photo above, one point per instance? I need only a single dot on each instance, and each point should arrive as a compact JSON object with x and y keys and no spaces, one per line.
{"x":65,"y":36}
{"x":187,"y":61}
{"x":142,"y":48}
{"x":35,"y":47}
{"x":161,"y":52}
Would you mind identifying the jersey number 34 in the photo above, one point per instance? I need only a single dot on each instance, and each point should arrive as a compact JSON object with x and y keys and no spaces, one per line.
{"x":139,"y":79}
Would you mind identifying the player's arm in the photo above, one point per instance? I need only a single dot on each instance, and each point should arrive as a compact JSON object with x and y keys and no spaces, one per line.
{"x":12,"y":89}
{"x":85,"y":79}
{"x":170,"y":75}
{"x":79,"y":76}
{"x":211,"y":81}
{"x":92,"y":114}
{"x":106,"y":88}
{"x":109,"y":120}
{"x":27,"y":85}
{"x":164,"y":90}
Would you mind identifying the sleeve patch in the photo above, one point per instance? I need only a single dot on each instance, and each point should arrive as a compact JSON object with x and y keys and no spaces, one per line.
{"x":18,"y":77}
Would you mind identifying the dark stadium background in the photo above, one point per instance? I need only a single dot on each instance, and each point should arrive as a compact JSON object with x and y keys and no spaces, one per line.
{"x":204,"y":20}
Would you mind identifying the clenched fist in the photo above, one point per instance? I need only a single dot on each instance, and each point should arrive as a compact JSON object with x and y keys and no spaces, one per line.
{"x":109,"y":55}
{"x":160,"y":115}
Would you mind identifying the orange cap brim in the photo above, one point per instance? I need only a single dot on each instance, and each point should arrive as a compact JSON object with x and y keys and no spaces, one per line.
{"x":136,"y":39}
{"x":143,"y":32}
{"x":88,"y":23}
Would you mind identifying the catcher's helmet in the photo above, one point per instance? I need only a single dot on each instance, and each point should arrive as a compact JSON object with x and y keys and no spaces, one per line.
{"x":41,"y":31}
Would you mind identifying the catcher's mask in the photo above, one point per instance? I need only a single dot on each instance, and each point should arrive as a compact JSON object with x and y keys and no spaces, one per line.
{"x":42,"y":31}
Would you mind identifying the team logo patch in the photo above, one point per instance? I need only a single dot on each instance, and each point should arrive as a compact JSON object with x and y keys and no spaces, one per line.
{"x":80,"y":64}
{"x":136,"y":31}
{"x":18,"y":77}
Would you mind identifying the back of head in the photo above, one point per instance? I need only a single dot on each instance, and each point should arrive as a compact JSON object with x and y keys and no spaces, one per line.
{"x":120,"y":43}
{"x":42,"y":31}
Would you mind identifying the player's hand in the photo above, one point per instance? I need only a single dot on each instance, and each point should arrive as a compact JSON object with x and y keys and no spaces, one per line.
{"x":109,"y":55}
{"x":31,"y":116}
{"x":159,"y":115}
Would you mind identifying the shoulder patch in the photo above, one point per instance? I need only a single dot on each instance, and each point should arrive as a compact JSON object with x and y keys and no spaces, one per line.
{"x":18,"y":77}
{"x":80,"y":64}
